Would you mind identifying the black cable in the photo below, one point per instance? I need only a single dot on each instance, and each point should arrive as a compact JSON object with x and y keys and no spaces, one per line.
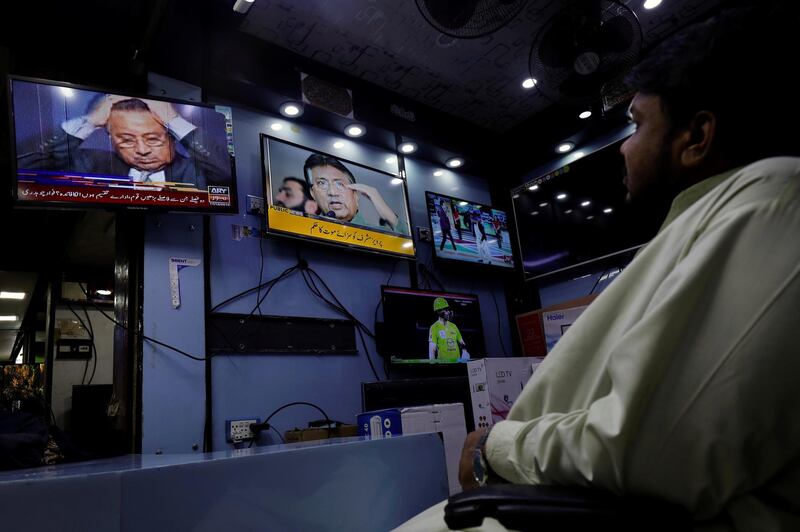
{"x":380,"y":300}
{"x":361,"y":329}
{"x":260,"y":271}
{"x":86,"y":366}
{"x":287,"y":405}
{"x":605,"y":272}
{"x":142,"y":335}
{"x":94,"y":345}
{"x":278,"y":433}
{"x":499,"y":335}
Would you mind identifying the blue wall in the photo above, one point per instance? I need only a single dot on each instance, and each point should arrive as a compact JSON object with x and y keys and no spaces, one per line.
{"x":255,"y":385}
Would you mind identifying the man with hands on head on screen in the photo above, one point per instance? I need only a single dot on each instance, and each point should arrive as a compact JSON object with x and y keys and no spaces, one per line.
{"x":334,"y":188}
{"x":144,"y":135}
{"x":676,"y":382}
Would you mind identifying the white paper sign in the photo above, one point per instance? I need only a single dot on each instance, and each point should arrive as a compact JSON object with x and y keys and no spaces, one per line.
{"x":176,"y":264}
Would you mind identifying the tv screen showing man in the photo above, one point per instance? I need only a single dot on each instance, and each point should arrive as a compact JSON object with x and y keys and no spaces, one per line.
{"x":78,"y":145}
{"x":322,"y":197}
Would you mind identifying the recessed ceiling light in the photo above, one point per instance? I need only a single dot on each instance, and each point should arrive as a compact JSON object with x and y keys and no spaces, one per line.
{"x":578,"y":155}
{"x":584,"y":115}
{"x":8,"y":318}
{"x":408,"y":147}
{"x":276,"y":126}
{"x":291,"y":109}
{"x":564,"y":147}
{"x":67,"y":92}
{"x":543,"y":204}
{"x":338,"y":145}
{"x":454,"y":162}
{"x":12,"y":295}
{"x":589,"y":217}
{"x":392,"y":159}
{"x":529,"y":83}
{"x":533,"y":187}
{"x":534,"y":213}
{"x":586,"y":203}
{"x":561,"y":197}
{"x":608,"y":210}
{"x":515,"y":196}
{"x":568,"y":211}
{"x":438,"y":173}
{"x":397,"y":181}
{"x":463,"y":203}
{"x":407,"y":244}
{"x":652,"y":4}
{"x":104,"y":292}
{"x":355,"y":130}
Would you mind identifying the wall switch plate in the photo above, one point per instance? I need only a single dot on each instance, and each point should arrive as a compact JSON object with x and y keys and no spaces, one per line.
{"x":424,"y":234}
{"x":238,"y":430}
{"x":255,"y":205}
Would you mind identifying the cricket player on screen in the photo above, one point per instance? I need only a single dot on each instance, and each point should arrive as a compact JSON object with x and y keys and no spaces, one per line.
{"x":444,"y":339}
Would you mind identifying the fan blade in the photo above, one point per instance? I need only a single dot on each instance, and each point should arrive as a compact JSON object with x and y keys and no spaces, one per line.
{"x":557,"y":46}
{"x":616,"y":35}
{"x":451,"y":14}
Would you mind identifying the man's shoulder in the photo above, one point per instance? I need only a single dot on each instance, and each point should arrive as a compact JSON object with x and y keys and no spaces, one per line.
{"x":762,"y":181}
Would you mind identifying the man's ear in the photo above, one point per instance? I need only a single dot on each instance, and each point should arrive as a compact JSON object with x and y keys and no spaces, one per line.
{"x":698,"y":139}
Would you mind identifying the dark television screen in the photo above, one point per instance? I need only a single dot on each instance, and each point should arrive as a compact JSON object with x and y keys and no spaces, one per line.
{"x":578,"y":213}
{"x":416,"y":333}
{"x":469,"y":232}
{"x":76,"y":146}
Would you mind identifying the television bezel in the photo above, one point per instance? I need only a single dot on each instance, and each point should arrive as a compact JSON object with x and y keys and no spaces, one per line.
{"x":267,"y":188}
{"x":438,"y":293}
{"x":55,"y":204}
{"x":472,"y":264}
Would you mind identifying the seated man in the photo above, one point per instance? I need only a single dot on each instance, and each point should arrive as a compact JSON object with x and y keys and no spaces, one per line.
{"x":679,"y":380}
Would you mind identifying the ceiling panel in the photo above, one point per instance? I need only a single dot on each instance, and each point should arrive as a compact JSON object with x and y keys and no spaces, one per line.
{"x":387,"y":42}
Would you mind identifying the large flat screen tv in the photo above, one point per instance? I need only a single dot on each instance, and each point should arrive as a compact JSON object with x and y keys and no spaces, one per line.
{"x":427,"y":327}
{"x":577,"y":216}
{"x":324,"y":198}
{"x":77,"y":146}
{"x":469,"y":232}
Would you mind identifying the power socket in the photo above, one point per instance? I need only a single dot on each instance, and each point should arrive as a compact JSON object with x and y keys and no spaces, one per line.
{"x":238,"y":430}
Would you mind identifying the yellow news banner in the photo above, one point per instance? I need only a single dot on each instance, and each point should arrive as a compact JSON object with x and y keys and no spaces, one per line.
{"x":286,"y":221}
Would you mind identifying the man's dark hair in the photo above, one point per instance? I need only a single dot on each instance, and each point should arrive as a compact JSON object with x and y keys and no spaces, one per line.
{"x":303,"y":185}
{"x":316,"y":159}
{"x":736,"y":65}
{"x":132,"y":104}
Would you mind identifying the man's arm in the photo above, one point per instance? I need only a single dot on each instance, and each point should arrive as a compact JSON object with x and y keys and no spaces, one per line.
{"x":690,"y":400}
{"x":384,"y":211}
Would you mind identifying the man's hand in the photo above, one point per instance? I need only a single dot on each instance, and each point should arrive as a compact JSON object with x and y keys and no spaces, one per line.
{"x":465,"y":476}
{"x":163,"y":111}
{"x":99,"y":115}
{"x":384,"y":211}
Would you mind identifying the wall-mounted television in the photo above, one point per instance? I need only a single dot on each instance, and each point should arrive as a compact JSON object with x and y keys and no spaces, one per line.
{"x":324,"y":198}
{"x":77,"y":146}
{"x":427,"y":327}
{"x":469,"y":232}
{"x":577,"y":215}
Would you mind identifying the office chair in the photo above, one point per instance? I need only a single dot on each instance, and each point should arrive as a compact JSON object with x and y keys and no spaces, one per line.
{"x":558,"y":508}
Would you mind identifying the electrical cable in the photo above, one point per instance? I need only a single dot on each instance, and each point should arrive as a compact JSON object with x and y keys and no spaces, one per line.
{"x":278,"y":433}
{"x":260,"y":272}
{"x":86,"y":365}
{"x":94,"y":345}
{"x":499,"y":335}
{"x":142,"y":335}
{"x":295,"y":403}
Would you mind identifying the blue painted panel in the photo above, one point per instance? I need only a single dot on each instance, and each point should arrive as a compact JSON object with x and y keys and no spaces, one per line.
{"x":354,"y":486}
{"x":39,"y":503}
{"x":173,"y":386}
